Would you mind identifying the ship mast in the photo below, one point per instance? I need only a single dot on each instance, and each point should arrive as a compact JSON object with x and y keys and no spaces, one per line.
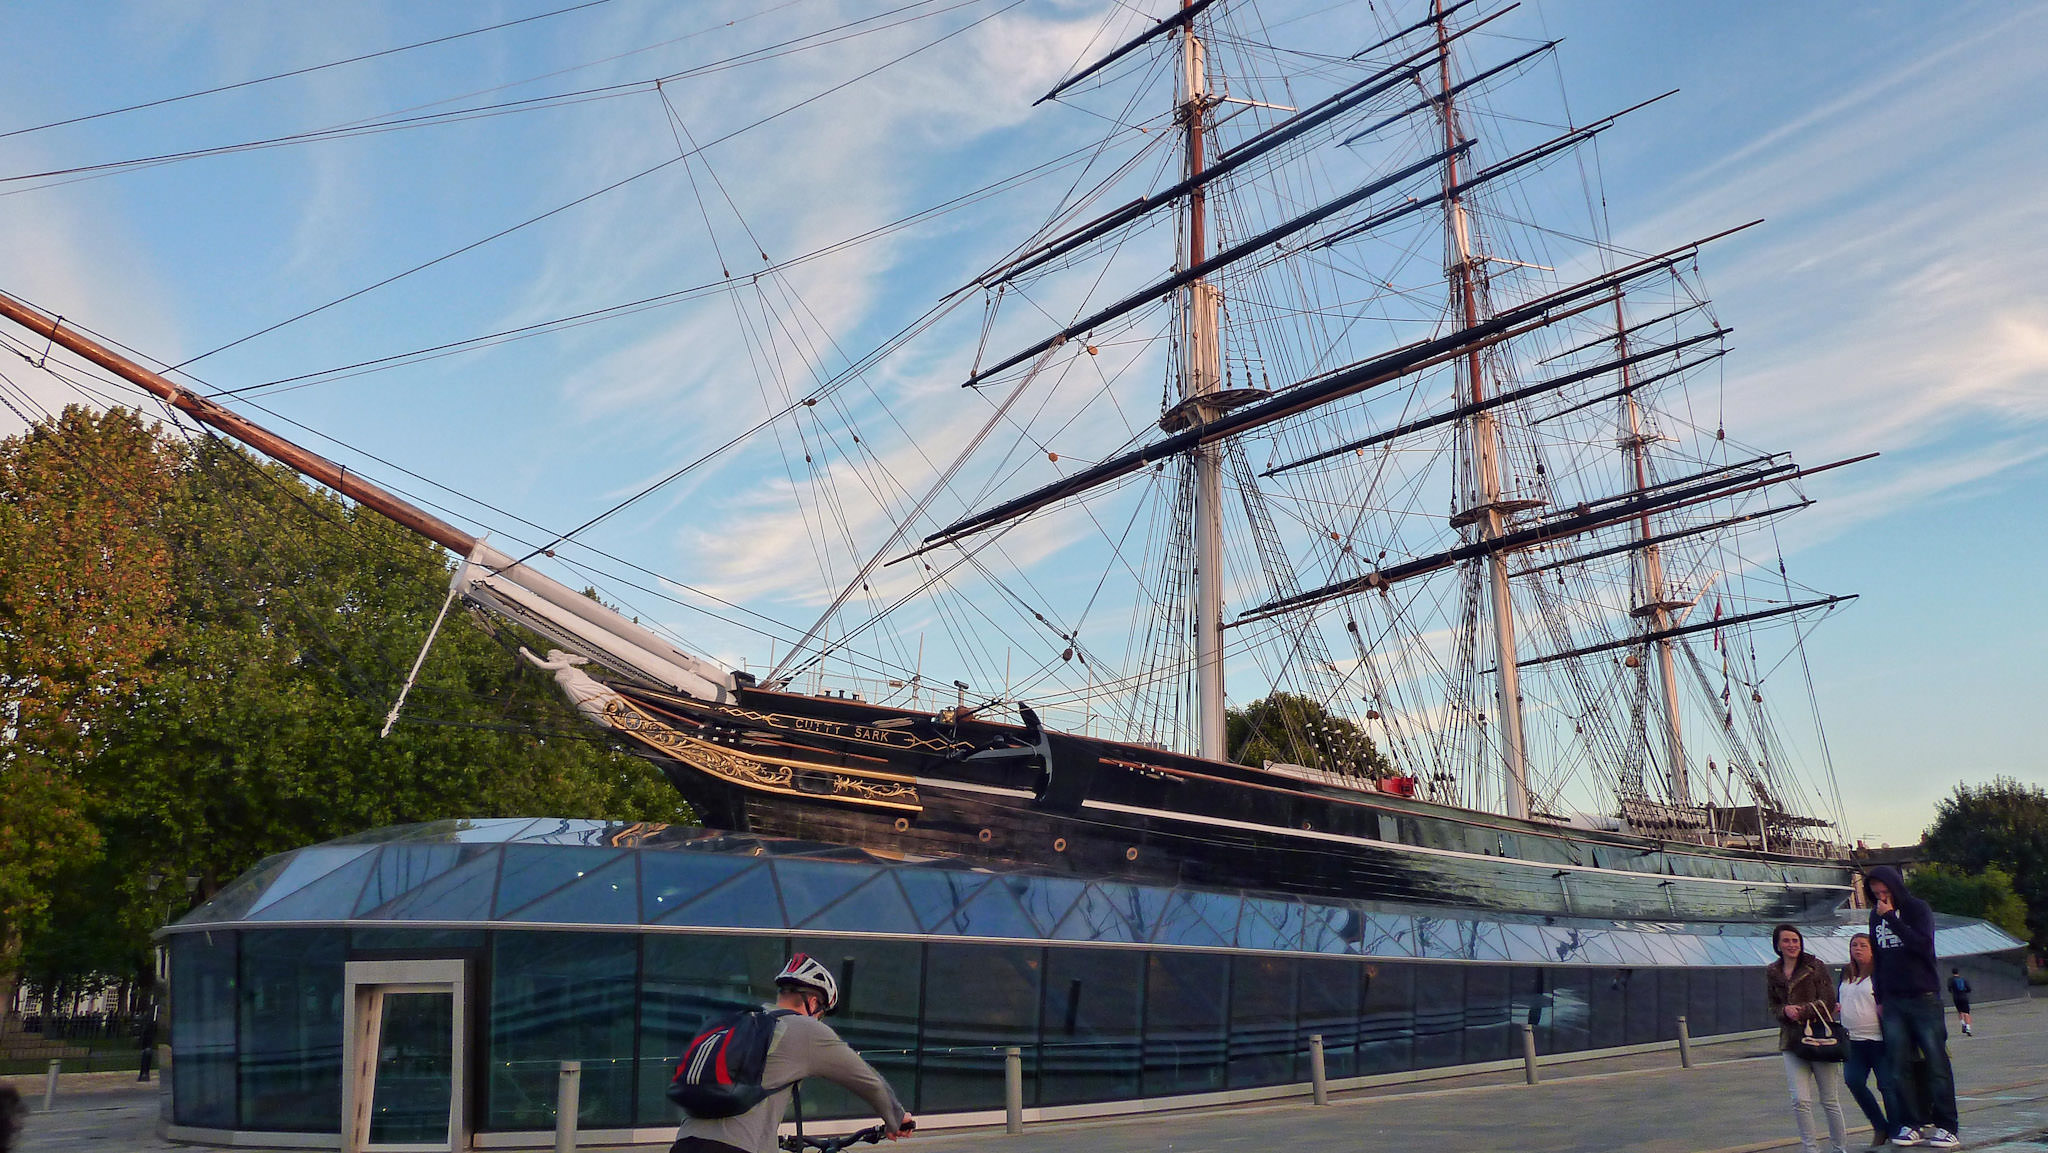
{"x":1486,"y":516}
{"x":1201,"y":375}
{"x":1653,"y":606}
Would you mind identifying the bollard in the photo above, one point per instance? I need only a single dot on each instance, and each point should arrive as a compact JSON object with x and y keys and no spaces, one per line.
{"x":50,"y":1086}
{"x":1013,"y":1090}
{"x":1529,"y":1053}
{"x":1684,"y":1045}
{"x":1316,"y":1079}
{"x":567,"y":1093}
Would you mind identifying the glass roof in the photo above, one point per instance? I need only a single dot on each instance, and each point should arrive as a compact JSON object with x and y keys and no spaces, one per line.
{"x":564,"y":873}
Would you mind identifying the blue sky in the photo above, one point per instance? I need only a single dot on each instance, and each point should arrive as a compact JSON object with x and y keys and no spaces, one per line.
{"x":1894,"y":300}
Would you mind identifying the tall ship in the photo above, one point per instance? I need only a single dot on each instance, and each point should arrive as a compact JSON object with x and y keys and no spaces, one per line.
{"x":1330,"y":505}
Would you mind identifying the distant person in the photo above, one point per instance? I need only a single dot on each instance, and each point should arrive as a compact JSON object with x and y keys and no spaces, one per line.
{"x":802,"y":1046}
{"x":1923,"y":1108}
{"x":1798,"y":987}
{"x":11,"y":1111}
{"x":1866,"y":1038}
{"x":1959,"y":988}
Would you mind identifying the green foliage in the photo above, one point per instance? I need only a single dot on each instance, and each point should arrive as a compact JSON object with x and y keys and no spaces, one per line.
{"x":2002,"y":824}
{"x":1988,"y":895}
{"x":1296,"y":730}
{"x":287,"y":620}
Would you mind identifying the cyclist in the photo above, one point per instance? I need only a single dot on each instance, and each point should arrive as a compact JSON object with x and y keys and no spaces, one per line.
{"x":803,"y":1047}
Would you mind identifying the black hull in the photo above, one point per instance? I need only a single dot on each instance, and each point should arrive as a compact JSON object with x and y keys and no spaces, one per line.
{"x":845,"y":772}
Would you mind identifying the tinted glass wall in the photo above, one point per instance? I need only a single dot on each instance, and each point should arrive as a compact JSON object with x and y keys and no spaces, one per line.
{"x":257,"y":1017}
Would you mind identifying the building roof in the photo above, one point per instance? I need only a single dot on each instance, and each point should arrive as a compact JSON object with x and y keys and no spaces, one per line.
{"x":578,"y":874}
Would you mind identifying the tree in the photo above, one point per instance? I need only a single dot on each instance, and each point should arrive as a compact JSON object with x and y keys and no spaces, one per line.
{"x":2002,"y":824}
{"x":1988,"y":895}
{"x":83,"y":591}
{"x":285,"y":622}
{"x":1294,"y":729}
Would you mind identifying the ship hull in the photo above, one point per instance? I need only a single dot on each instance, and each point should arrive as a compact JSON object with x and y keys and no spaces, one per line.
{"x":846,"y":772}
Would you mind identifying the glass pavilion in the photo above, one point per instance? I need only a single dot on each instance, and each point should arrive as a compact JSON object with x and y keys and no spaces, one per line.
{"x":452,"y":966}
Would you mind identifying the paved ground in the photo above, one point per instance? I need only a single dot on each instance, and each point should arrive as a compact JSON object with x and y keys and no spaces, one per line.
{"x":1734,"y":1101}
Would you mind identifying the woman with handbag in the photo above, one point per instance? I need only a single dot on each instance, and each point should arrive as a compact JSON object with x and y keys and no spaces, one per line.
{"x":1802,"y":998}
{"x":1866,"y":1039}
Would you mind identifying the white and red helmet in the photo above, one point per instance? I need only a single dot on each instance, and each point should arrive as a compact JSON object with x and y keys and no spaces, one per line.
{"x":807,"y":972}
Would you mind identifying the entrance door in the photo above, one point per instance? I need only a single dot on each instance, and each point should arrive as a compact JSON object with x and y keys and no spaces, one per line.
{"x":404,"y":1084}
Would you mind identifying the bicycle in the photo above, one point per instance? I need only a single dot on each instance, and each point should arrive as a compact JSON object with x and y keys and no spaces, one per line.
{"x":869,"y":1136}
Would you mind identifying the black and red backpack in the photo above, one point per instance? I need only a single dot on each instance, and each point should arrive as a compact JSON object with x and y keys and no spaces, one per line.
{"x":720,"y":1074}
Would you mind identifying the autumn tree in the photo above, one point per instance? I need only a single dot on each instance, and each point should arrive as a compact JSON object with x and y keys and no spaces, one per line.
{"x":1297,"y":730}
{"x":84,"y":588}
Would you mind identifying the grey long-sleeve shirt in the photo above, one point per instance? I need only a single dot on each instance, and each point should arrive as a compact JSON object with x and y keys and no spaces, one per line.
{"x":803,"y":1047}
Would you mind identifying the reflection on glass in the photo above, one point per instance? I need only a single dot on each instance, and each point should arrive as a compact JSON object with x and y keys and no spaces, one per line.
{"x":977,"y":1001}
{"x":561,"y":997}
{"x":415,"y":1069}
{"x":1187,"y":1004}
{"x":289,"y":1044}
{"x":689,"y":982}
{"x":1090,"y":1027}
{"x":203,"y":1029}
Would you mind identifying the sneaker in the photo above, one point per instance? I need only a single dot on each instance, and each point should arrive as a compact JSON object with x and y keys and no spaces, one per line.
{"x":1907,"y":1135}
{"x":1943,"y":1139}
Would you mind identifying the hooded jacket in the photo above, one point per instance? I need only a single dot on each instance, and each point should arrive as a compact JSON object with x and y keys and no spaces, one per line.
{"x":1903,"y":941}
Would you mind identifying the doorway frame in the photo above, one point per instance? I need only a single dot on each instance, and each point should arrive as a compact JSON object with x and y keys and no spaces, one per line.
{"x":363,"y":985}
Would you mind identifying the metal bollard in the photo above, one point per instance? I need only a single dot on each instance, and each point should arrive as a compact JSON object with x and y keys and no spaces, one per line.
{"x":1013,"y":1090}
{"x":567,"y":1094}
{"x":1529,"y":1054}
{"x":1316,"y":1078}
{"x":50,"y":1086}
{"x":1684,"y":1045}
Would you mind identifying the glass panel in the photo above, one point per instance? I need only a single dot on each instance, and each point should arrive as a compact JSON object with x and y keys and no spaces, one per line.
{"x":1610,"y":1007}
{"x":1439,"y":1015}
{"x":808,"y":886}
{"x":1046,"y":899}
{"x":1702,"y":1008}
{"x":878,"y":988}
{"x":203,"y":1029}
{"x":1674,"y":996}
{"x":1333,"y":929}
{"x":231,"y":903}
{"x":977,"y":999}
{"x":876,"y":907}
{"x":415,"y":1065}
{"x":329,"y":897}
{"x":532,"y":871}
{"x":1639,"y":990}
{"x":1328,"y":1004}
{"x":309,"y":865}
{"x":689,"y":982}
{"x":1571,"y":1009}
{"x":289,"y":1049}
{"x":1489,"y":1015}
{"x":936,"y":895}
{"x":670,"y":880}
{"x":994,"y":913}
{"x":1742,"y":1000}
{"x":1386,"y":1018}
{"x":403,"y":868}
{"x":560,"y":997}
{"x":1091,"y":1025}
{"x":609,"y":895}
{"x":747,"y":901}
{"x":1261,"y":1021}
{"x":461,"y":894}
{"x":1186,"y":1015}
{"x":1528,"y":1004}
{"x":1095,"y":917}
{"x":1270,"y":924}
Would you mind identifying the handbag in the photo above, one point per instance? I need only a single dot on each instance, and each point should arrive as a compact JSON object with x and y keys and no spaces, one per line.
{"x":1821,"y":1037}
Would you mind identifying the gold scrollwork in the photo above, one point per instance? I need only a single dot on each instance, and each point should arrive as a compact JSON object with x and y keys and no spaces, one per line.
{"x":755,"y":772}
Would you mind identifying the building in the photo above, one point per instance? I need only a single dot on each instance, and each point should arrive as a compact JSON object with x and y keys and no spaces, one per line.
{"x":453,"y":965}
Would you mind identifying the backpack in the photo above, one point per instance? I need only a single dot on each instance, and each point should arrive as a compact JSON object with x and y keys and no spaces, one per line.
{"x":720,"y":1073}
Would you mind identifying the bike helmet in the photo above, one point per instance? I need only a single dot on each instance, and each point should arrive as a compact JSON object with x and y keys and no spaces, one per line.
{"x":807,"y":972}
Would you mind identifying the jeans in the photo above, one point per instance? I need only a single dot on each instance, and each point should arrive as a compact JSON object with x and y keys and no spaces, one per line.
{"x":1809,"y":1080}
{"x":1914,"y":1025}
{"x":1863,"y":1059}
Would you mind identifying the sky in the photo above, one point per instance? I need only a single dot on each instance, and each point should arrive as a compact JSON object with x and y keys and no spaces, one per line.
{"x":1893,"y":300}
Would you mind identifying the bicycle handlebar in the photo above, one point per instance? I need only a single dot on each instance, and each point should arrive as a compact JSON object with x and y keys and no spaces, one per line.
{"x":868,"y":1136}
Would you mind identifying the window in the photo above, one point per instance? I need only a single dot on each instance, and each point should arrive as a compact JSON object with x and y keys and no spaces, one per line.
{"x":203,"y":1029}
{"x":289,"y":1044}
{"x":560,"y":997}
{"x":1186,"y":995}
{"x":978,"y":999}
{"x":686,"y":983}
{"x":1090,"y":1029}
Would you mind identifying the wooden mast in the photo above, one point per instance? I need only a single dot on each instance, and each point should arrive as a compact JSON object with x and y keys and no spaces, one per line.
{"x":1201,"y":375}
{"x":1485,"y":516}
{"x":261,"y":439}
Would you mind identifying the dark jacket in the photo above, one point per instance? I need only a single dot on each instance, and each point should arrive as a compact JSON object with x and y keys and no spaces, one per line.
{"x":1810,"y":984}
{"x":1902,"y":942}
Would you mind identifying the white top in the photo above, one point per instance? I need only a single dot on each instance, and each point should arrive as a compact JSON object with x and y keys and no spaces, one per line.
{"x":1859,"y":1010}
